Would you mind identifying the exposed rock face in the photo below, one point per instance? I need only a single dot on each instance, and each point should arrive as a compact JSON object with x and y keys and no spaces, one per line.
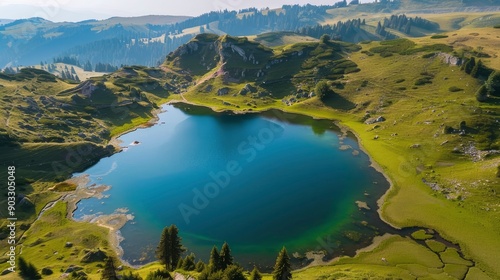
{"x":223,"y":91}
{"x":375,"y":120}
{"x":94,"y":256}
{"x":188,"y":48}
{"x":209,"y":88}
{"x":450,"y":59}
{"x":248,"y":89}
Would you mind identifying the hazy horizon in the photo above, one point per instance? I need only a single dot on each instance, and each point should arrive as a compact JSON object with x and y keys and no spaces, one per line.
{"x":74,"y":11}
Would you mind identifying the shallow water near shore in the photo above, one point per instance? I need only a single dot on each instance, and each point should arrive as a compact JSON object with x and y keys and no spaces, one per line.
{"x":257,"y":181}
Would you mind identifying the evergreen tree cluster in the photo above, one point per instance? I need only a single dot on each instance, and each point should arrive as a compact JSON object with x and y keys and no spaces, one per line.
{"x":169,"y":249}
{"x":221,"y":266}
{"x":10,"y":70}
{"x":105,"y":67}
{"x":404,"y":24}
{"x":169,"y":252}
{"x":339,"y":31}
{"x":384,"y":33}
{"x":290,"y":18}
{"x":67,"y":75}
{"x":71,"y":60}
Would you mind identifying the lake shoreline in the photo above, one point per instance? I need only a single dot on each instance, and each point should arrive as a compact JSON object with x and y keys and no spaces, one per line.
{"x":115,"y":235}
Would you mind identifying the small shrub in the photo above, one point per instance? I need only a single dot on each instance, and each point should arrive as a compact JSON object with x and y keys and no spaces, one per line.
{"x":398,"y":81}
{"x":423,"y":81}
{"x":386,"y":54}
{"x":448,"y":130}
{"x":428,"y":55}
{"x":454,"y":89}
{"x":401,"y":88}
{"x":439,"y":36}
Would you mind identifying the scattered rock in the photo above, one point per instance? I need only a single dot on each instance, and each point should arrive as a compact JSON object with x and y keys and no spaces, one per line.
{"x":345,"y":147}
{"x":47,"y":271}
{"x":375,"y":120}
{"x":415,"y":146}
{"x":72,"y":268}
{"x":362,"y":205}
{"x":68,"y":245}
{"x":223,"y":91}
{"x":209,"y":88}
{"x":94,"y":256}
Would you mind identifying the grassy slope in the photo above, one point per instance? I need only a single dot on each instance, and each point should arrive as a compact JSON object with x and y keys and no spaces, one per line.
{"x":416,"y":115}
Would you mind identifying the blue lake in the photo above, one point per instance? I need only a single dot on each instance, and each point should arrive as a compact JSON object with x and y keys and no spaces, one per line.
{"x":257,"y":181}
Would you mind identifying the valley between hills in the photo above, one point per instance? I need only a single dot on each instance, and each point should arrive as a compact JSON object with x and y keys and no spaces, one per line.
{"x":423,"y":105}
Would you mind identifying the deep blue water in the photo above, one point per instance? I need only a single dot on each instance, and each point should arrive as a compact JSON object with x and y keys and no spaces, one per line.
{"x":257,"y":181}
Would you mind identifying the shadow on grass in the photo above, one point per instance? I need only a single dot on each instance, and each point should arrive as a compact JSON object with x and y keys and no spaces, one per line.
{"x":338,"y":102}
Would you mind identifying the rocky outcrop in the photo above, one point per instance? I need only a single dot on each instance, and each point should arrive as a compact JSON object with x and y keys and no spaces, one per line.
{"x":450,"y":59}
{"x":223,"y":91}
{"x":248,"y":88}
{"x":375,"y":120}
{"x":94,"y":256}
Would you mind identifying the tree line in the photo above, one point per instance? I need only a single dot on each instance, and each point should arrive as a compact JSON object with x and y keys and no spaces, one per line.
{"x":169,"y":251}
{"x":342,"y":30}
{"x":404,"y":24}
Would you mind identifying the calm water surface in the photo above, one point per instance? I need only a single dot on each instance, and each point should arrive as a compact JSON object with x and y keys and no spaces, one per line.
{"x":257,"y":181}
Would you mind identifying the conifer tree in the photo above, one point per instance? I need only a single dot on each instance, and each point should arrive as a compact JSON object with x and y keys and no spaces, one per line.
{"x":188,"y":263}
{"x":225,"y":256}
{"x":475,"y":70}
{"x":169,"y":249}
{"x":215,"y":261}
{"x":176,"y":248}
{"x":109,"y":270}
{"x":163,"y":249}
{"x":282,"y":268}
{"x":469,"y":65}
{"x":482,"y":94}
{"x":27,"y":270}
{"x":493,"y":84}
{"x":255,"y":275}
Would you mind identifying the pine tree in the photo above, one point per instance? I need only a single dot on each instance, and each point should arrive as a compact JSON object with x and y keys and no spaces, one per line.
{"x":180,"y":263}
{"x":109,"y":270}
{"x":255,"y":275}
{"x":188,"y":263}
{"x":200,"y":266}
{"x":482,"y":94}
{"x":169,"y":249}
{"x":475,"y":70}
{"x":27,"y":270}
{"x":469,"y":65}
{"x":163,"y":249}
{"x":493,"y":84}
{"x":215,"y":261}
{"x":282,"y":268}
{"x":225,"y":256}
{"x":176,"y":248}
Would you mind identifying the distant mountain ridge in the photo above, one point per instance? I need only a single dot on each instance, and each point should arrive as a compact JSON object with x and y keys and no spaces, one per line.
{"x":146,"y":40}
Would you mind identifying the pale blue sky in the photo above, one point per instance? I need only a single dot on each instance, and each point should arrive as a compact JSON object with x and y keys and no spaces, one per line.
{"x":77,"y":10}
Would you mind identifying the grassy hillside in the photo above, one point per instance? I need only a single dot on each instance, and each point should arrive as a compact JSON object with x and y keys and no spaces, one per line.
{"x":412,"y":145}
{"x":436,"y":143}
